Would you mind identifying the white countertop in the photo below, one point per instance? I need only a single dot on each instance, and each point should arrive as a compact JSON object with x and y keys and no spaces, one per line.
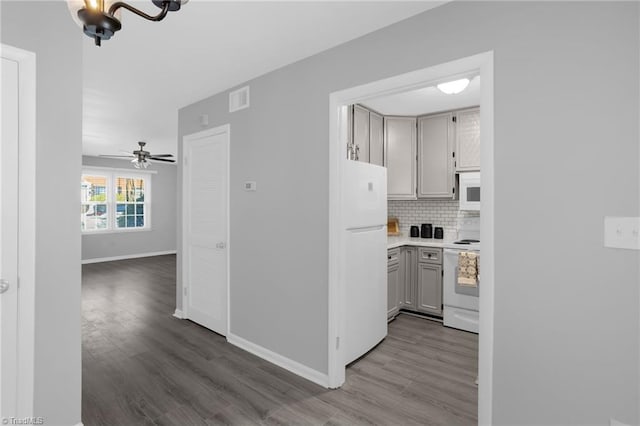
{"x":403,"y":240}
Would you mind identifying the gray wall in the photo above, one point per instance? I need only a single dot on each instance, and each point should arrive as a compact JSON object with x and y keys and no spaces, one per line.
{"x":566,"y":155}
{"x":161,"y":237}
{"x":46,"y":29}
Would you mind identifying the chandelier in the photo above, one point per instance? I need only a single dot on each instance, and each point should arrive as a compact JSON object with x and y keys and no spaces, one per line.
{"x":100,"y":19}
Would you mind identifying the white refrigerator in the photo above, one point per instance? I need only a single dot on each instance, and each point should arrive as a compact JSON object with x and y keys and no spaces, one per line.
{"x":365,"y":249}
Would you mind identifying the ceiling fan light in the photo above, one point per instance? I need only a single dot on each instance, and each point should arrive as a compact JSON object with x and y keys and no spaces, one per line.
{"x":453,"y":87}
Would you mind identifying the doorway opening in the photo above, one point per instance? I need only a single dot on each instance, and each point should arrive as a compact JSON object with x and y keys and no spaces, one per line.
{"x":340,"y":256}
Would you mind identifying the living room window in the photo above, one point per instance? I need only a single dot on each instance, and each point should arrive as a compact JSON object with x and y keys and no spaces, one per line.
{"x":113,"y":200}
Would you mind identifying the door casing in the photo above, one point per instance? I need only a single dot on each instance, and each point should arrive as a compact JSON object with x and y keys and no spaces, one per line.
{"x":26,"y":227}
{"x":338,"y":101}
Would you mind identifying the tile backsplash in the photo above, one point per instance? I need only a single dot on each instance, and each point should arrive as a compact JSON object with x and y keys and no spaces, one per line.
{"x":442,"y":213}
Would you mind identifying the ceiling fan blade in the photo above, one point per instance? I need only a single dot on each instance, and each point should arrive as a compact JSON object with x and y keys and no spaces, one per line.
{"x":162,"y":159}
{"x":116,"y":156}
{"x":162,"y":155}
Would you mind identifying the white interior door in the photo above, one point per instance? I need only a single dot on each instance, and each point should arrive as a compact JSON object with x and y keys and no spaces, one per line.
{"x":206,"y":187}
{"x":9,"y":240}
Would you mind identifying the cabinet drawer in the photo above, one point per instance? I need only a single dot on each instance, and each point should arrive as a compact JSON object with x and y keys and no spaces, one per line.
{"x":430,"y":255}
{"x":393,"y":256}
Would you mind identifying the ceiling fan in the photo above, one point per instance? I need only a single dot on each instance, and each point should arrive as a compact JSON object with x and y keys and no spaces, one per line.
{"x":141,"y":158}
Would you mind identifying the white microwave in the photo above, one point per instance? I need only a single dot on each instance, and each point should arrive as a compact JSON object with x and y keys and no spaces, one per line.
{"x":469,"y":191}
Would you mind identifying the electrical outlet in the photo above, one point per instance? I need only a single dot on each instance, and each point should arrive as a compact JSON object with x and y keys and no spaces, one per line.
{"x":622,"y":232}
{"x":250,"y":186}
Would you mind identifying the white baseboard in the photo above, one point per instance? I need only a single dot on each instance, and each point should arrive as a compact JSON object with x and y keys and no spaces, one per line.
{"x":127,"y":256}
{"x":79,"y":424}
{"x":279,"y":360}
{"x":178,"y":314}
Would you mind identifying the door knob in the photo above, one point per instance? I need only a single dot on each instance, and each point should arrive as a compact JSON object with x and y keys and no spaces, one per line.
{"x":4,"y":286}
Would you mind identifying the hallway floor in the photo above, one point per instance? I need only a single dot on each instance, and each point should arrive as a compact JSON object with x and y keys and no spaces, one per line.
{"x":142,"y":366}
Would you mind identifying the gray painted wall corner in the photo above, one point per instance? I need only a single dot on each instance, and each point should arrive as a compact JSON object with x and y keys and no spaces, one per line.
{"x":558,"y":165}
{"x":46,"y":29}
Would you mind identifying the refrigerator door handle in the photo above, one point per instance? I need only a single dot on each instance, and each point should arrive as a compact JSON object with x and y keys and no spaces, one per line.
{"x":366,"y":228}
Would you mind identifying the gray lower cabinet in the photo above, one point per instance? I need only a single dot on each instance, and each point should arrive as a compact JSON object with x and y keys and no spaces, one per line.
{"x":393,"y":282}
{"x":414,"y":280}
{"x":429,"y":288}
{"x":410,"y":277}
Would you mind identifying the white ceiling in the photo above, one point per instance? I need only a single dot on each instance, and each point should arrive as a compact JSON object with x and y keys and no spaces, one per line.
{"x":426,"y":101}
{"x":135,"y":82}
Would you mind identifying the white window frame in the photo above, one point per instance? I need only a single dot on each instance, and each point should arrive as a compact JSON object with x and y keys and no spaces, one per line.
{"x":111,"y":174}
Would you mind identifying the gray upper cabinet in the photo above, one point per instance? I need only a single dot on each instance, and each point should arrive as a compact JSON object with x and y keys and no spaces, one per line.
{"x":468,"y":140}
{"x":376,"y":139}
{"x":361,"y":132}
{"x":436,"y":175}
{"x":400,"y":158}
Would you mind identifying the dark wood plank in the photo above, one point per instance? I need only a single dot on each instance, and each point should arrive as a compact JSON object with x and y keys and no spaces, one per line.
{"x":142,"y":366}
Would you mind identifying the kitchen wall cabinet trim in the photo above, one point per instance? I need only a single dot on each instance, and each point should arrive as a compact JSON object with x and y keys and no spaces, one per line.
{"x":400,"y":157}
{"x":376,"y":139}
{"x":468,"y":140}
{"x":361,"y":132}
{"x":436,"y":138}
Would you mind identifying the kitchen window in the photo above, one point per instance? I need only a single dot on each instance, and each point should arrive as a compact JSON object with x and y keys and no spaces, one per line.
{"x":113,"y":200}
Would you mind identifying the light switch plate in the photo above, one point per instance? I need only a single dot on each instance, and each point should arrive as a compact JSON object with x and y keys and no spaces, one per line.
{"x":250,"y":186}
{"x":622,"y":232}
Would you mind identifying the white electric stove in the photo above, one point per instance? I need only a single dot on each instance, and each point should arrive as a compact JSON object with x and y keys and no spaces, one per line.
{"x":461,"y":303}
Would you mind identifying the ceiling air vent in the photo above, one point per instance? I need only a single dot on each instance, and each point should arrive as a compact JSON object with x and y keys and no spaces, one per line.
{"x":239,"y":99}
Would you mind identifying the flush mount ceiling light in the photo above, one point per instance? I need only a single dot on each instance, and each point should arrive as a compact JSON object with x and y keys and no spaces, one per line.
{"x":100,"y":19}
{"x":453,"y":87}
